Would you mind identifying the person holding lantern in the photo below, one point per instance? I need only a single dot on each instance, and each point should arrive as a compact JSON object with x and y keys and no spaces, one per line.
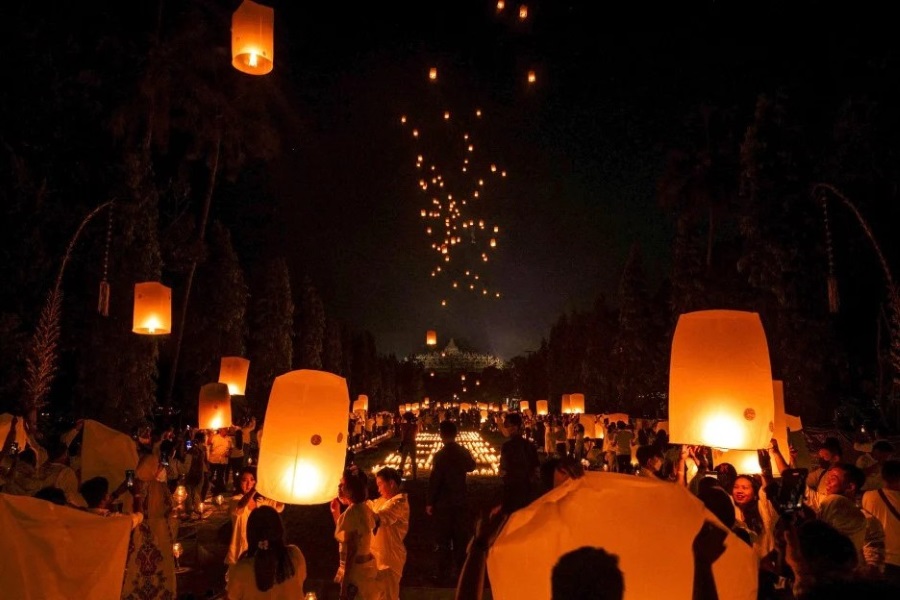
{"x":357,"y":573}
{"x":241,"y":506}
{"x":391,"y":510}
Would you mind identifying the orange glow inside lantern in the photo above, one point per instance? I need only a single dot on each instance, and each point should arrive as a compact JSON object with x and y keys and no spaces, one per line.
{"x":214,"y":409}
{"x":431,"y":337}
{"x":720,"y":381}
{"x":493,"y":243}
{"x":747,"y":461}
{"x":532,"y":77}
{"x":302,"y":454}
{"x":542,"y":407}
{"x":523,"y":405}
{"x":432,"y":73}
{"x":566,"y":404}
{"x":576,"y":403}
{"x":253,"y":38}
{"x":233,"y":372}
{"x":500,"y":5}
{"x":465,"y":406}
{"x":361,"y":404}
{"x":523,"y":12}
{"x":152,"y":308}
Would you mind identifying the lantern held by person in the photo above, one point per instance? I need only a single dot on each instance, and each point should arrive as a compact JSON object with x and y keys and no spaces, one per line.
{"x":523,"y":405}
{"x":253,"y":38}
{"x":214,"y":410}
{"x":233,"y":372}
{"x":720,"y":381}
{"x":361,"y":404}
{"x":302,"y":454}
{"x":152,"y":308}
{"x":542,"y":408}
{"x":576,"y":403}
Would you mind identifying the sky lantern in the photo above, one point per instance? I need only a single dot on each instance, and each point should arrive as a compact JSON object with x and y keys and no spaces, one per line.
{"x":493,"y":243}
{"x":361,"y":404}
{"x":233,"y":372}
{"x":152,"y":308}
{"x":523,"y":405}
{"x":302,"y":454}
{"x":566,"y":404}
{"x":431,"y":337}
{"x":523,"y":12}
{"x":720,"y":381}
{"x":465,"y":406}
{"x":432,"y":74}
{"x":500,"y":5}
{"x":576,"y":403}
{"x":747,"y":461}
{"x":532,"y":76}
{"x":214,"y":408}
{"x":542,"y":407}
{"x":253,"y":38}
{"x":609,"y":511}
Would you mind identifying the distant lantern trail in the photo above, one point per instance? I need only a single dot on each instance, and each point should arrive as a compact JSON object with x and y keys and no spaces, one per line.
{"x":456,"y":178}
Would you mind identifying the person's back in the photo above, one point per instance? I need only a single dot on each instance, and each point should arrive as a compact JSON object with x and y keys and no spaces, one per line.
{"x":884,"y":504}
{"x":242,"y":584}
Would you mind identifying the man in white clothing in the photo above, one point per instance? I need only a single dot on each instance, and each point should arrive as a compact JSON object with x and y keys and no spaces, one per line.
{"x":884,"y":504}
{"x":391,"y":510}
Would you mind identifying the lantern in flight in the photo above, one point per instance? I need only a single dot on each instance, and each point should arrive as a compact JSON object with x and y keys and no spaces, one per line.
{"x":566,"y":404}
{"x":253,"y":38}
{"x":233,"y":372}
{"x":523,"y":405}
{"x":542,"y":408}
{"x":720,"y":381}
{"x":302,"y":454}
{"x":214,"y":408}
{"x":152,"y":308}
{"x":431,"y":337}
{"x":532,"y":77}
{"x":432,"y":74}
{"x":576,"y":403}
{"x":361,"y":404}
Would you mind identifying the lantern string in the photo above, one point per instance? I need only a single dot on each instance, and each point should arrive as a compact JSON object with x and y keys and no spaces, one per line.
{"x":834,"y":302}
{"x":103,"y":300}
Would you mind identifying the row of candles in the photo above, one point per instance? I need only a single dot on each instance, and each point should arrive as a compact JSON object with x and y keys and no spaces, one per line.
{"x":427,"y":444}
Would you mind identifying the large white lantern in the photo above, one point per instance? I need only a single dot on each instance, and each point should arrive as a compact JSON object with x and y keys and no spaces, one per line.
{"x":747,"y":461}
{"x":609,"y":511}
{"x":720,"y":381}
{"x":152,"y":308}
{"x":576,"y":403}
{"x":302,"y":454}
{"x":233,"y":372}
{"x":214,"y":409}
{"x":542,"y":408}
{"x":253,"y":38}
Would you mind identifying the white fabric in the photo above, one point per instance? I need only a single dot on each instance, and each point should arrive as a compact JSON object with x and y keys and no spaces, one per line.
{"x":609,"y":510}
{"x":52,"y":551}
{"x":106,"y":453}
{"x":358,"y":518}
{"x":242,"y":580}
{"x":387,"y":543}
{"x":872,"y":502}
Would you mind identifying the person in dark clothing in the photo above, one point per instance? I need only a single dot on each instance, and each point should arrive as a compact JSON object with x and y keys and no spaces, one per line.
{"x":518,"y":466}
{"x":447,"y":501}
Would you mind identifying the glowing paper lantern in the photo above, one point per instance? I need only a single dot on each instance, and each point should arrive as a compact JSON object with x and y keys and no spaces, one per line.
{"x":302,"y":454}
{"x":793,"y":423}
{"x":566,"y":404}
{"x":214,"y":410}
{"x":253,"y":38}
{"x":747,"y":461}
{"x":542,"y":407}
{"x":432,"y":73}
{"x":590,"y":425}
{"x":720,"y":381}
{"x":152,"y":308}
{"x":532,"y":77}
{"x":431,"y":337}
{"x":609,"y":510}
{"x":523,"y":12}
{"x":361,"y":404}
{"x":576,"y":403}
{"x":465,"y":406}
{"x":233,"y":373}
{"x":523,"y":405}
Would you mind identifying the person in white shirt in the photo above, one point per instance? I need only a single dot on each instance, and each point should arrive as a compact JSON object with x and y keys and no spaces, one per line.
{"x":872,"y":461}
{"x":219,"y":444}
{"x":884,"y":504}
{"x":241,"y":506}
{"x":391,"y":510}
{"x":357,"y":573}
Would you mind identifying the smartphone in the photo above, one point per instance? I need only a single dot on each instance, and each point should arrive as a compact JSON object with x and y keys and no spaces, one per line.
{"x":791,"y":490}
{"x":188,"y":444}
{"x":129,"y":478}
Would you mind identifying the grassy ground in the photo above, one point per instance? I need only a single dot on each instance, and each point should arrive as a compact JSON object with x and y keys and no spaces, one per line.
{"x":312,"y":530}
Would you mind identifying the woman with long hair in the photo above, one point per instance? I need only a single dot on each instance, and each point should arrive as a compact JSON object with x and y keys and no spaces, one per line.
{"x":269,"y":569}
{"x":753,"y":509}
{"x":357,"y":572}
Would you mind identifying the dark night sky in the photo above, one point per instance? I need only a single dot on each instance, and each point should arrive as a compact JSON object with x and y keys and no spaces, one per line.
{"x":584,"y":147}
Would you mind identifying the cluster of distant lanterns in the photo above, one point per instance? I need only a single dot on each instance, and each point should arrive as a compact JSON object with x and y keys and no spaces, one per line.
{"x":455,"y":190}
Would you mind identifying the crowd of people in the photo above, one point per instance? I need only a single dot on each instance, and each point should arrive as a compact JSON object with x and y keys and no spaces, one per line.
{"x":835,"y":525}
